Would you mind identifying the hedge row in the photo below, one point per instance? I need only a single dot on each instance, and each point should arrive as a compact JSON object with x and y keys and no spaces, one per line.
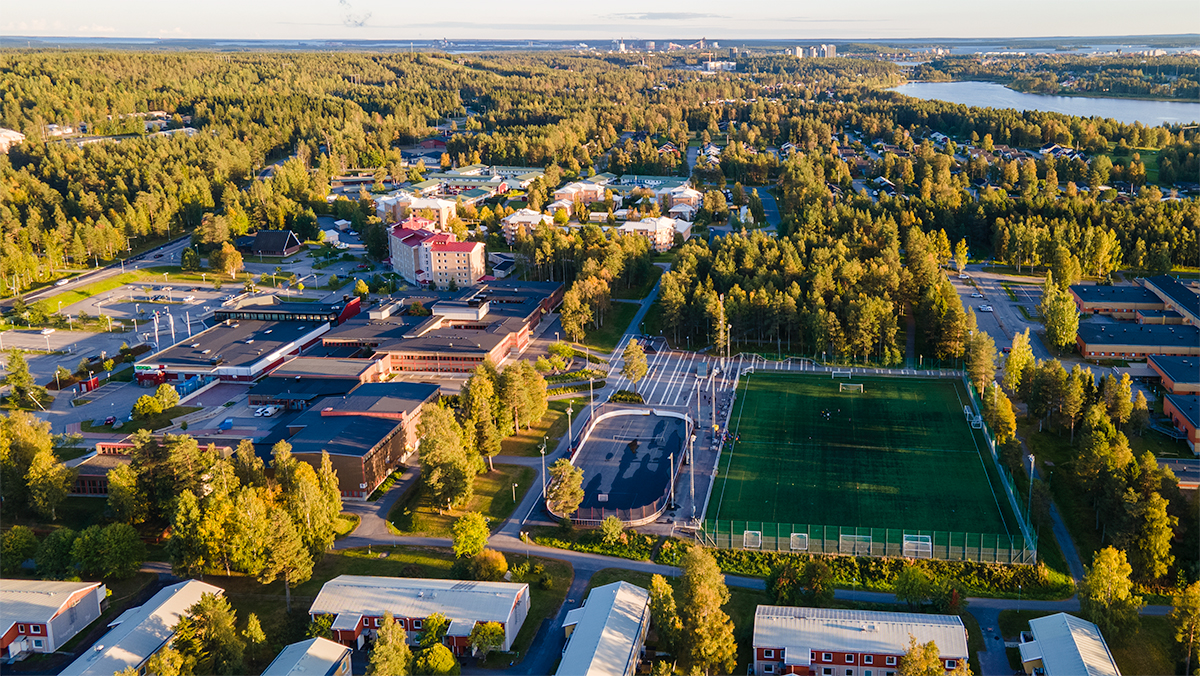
{"x":635,"y":546}
{"x":575,"y":376}
{"x":577,"y":387}
{"x":626,"y":397}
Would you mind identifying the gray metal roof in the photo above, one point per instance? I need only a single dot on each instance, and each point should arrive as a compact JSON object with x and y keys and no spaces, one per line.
{"x":607,"y":631}
{"x":325,"y":367}
{"x":142,"y":632}
{"x":1070,"y":646}
{"x":1147,"y":335}
{"x":418,"y":597}
{"x":1188,"y":406}
{"x":314,"y":657}
{"x":240,"y":342}
{"x":1098,"y":293}
{"x":35,"y":600}
{"x":1173,"y":289}
{"x":800,"y":630}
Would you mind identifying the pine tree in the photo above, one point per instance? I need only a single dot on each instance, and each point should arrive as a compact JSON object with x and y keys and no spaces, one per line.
{"x":288,"y":559}
{"x":565,"y":492}
{"x":187,"y":547}
{"x":1185,"y":615}
{"x":1018,"y":365}
{"x":49,"y":483}
{"x":707,"y":630}
{"x":1106,"y":595}
{"x":390,"y":655}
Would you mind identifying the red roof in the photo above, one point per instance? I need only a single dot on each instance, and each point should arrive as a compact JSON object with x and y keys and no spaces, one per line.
{"x":466,"y":247}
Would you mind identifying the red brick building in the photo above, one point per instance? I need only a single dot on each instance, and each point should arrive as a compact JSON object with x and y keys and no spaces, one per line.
{"x":829,"y":642}
{"x":1184,"y":412}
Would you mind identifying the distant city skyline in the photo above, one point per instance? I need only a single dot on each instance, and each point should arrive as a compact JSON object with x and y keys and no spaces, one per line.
{"x":545,"y":20}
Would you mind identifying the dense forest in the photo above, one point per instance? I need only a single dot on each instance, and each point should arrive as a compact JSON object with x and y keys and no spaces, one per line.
{"x":66,"y":206}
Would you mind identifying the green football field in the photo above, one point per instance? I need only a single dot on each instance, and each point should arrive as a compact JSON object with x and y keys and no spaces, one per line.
{"x":900,"y":454}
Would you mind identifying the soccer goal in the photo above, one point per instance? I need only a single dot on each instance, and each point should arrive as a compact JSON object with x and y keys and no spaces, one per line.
{"x":799,"y":542}
{"x":850,"y":387}
{"x":968,"y":413}
{"x":752,"y":539}
{"x":918,"y":546}
{"x":977,"y":422}
{"x":842,"y":374}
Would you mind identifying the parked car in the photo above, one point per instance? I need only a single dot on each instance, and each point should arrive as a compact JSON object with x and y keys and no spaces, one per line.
{"x":226,"y":424}
{"x":977,"y":295}
{"x":270,"y":411}
{"x":46,"y":332}
{"x":158,"y":255}
{"x":188,"y":299}
{"x":985,"y":308}
{"x":258,"y":412}
{"x":1006,"y":350}
{"x":964,"y":276}
{"x":110,"y":420}
{"x":62,"y":282}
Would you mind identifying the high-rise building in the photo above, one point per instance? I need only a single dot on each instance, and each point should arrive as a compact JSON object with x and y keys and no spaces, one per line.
{"x":828,"y":51}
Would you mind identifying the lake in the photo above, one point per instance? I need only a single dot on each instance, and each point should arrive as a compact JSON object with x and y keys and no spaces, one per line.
{"x":991,"y":95}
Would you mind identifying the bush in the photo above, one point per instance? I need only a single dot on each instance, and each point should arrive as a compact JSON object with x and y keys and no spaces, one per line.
{"x":547,"y":581}
{"x":489,"y":566}
{"x":579,"y":387}
{"x":576,"y":376}
{"x":146,"y":407}
{"x":19,"y":545}
{"x":626,"y":397}
{"x":611,"y":530}
{"x":632,"y":545}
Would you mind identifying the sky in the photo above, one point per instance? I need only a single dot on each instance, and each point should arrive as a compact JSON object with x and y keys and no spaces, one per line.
{"x":606,"y":20}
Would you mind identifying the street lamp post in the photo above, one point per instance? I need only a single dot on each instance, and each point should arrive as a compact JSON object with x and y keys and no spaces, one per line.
{"x":570,"y":437}
{"x":514,"y":487}
{"x":1029,"y":502}
{"x":543,"y":471}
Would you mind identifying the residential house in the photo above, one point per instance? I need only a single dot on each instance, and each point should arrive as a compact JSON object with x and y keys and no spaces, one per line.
{"x":138,"y":633}
{"x":422,"y":255}
{"x":402,"y":205}
{"x":39,"y":616}
{"x":275,"y":243}
{"x":1064,"y":645}
{"x":582,"y":190}
{"x":605,"y":636}
{"x":314,"y":657}
{"x":660,"y":232}
{"x":522,"y":221}
{"x":357,"y":604}
{"x":830,"y":642}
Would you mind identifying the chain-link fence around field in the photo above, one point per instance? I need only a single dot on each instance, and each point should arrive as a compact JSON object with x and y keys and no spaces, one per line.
{"x":850,"y":541}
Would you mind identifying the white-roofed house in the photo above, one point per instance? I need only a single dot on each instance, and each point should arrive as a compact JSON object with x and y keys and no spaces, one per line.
{"x":829,"y":642}
{"x":140,"y":632}
{"x":659,"y":231}
{"x":39,"y":616}
{"x":522,"y":220}
{"x":314,"y":657}
{"x":605,"y":635}
{"x":1064,"y":645}
{"x":358,"y":603}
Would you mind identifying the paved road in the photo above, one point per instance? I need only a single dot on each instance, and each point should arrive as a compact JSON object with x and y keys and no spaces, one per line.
{"x":1006,"y":317}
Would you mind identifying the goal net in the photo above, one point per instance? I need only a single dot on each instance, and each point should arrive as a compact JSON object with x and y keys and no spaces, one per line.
{"x":850,"y":387}
{"x":799,"y":542}
{"x":918,"y":546}
{"x":842,"y":374}
{"x":752,"y":539}
{"x":977,"y":422}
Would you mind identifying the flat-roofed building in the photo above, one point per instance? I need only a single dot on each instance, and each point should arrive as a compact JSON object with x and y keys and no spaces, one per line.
{"x":1184,"y":412}
{"x":39,"y":616}
{"x":367,"y":433}
{"x":1180,"y":375}
{"x":139,"y":633}
{"x":522,"y":221}
{"x":300,"y":381}
{"x":1115,"y":301}
{"x":357,"y":604}
{"x":493,"y":321}
{"x":240,"y":350}
{"x":314,"y":657}
{"x":1176,"y":296}
{"x":660,"y":232}
{"x":424,"y":256}
{"x":270,"y":308}
{"x":605,"y":635}
{"x":1159,"y":317}
{"x":1136,"y":341}
{"x":827,"y":642}
{"x":1064,"y":645}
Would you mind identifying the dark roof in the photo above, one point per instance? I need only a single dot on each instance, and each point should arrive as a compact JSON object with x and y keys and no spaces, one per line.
{"x":1177,"y":292}
{"x":1178,"y":369}
{"x":275,"y":240}
{"x":1095,"y":293}
{"x":238,"y":343}
{"x":396,"y":397}
{"x":1167,"y":314}
{"x":507,"y":264}
{"x":1189,"y":407}
{"x":339,"y":435}
{"x":1148,"y":335}
{"x":306,"y":389}
{"x":325,"y":367}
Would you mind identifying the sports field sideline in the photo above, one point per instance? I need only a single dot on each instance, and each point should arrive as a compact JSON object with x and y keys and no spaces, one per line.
{"x":900,"y":454}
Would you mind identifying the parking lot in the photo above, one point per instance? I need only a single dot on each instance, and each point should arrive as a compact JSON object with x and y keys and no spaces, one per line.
{"x":1029,"y":295}
{"x":985,"y":320}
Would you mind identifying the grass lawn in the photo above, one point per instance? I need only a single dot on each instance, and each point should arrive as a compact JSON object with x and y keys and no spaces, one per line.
{"x":88,"y":290}
{"x":528,"y":443}
{"x":493,"y":498}
{"x":1158,"y":444}
{"x":1073,"y":504}
{"x":642,"y":290}
{"x":152,"y":423}
{"x":615,"y":324}
{"x":808,"y":453}
{"x":345,"y":524}
{"x":267,"y":601}
{"x":740,"y":608}
{"x":1150,"y":651}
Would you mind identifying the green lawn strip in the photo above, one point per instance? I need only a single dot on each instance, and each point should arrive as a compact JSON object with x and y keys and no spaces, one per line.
{"x":974,"y":640}
{"x":493,"y":498}
{"x":642,"y":290}
{"x":634,"y":545}
{"x":151,"y":423}
{"x":345,"y":524}
{"x":1150,"y":651}
{"x":741,"y":607}
{"x":1160,"y":445}
{"x":87,"y":291}
{"x":528,"y":443}
{"x":616,"y":322}
{"x":72,"y":452}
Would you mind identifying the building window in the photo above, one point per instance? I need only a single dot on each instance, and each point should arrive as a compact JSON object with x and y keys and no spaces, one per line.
{"x":868,"y":672}
{"x":849,"y":672}
{"x":868,"y":659}
{"x":827,"y":671}
{"x":812,"y":657}
{"x":20,"y":629}
{"x":891,"y":661}
{"x":400,"y":622}
{"x":950,"y":664}
{"x":379,"y":622}
{"x":37,"y":643}
{"x":768,"y":668}
{"x":768,"y":654}
{"x":849,"y":659}
{"x":35,"y":628}
{"x":417,"y":624}
{"x":827,"y":657}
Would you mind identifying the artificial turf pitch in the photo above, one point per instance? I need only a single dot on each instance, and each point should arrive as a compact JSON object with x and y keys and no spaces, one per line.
{"x":900,"y":454}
